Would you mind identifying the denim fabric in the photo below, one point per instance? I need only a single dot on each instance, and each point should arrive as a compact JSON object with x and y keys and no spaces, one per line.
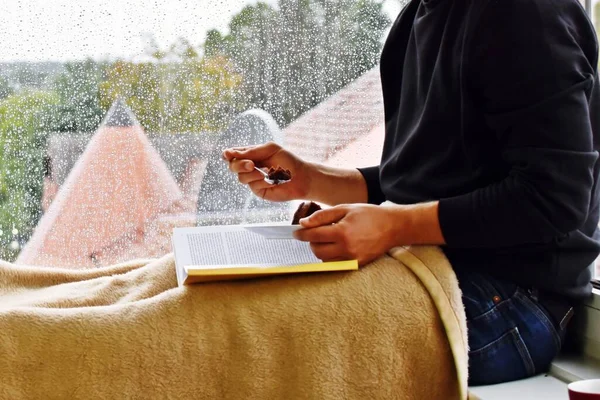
{"x":510,"y":335}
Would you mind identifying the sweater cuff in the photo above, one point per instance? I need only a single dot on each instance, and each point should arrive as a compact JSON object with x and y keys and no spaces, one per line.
{"x":457,"y":222}
{"x":371,"y":176}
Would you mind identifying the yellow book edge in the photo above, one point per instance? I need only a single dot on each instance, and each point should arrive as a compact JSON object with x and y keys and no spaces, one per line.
{"x":192,"y":274}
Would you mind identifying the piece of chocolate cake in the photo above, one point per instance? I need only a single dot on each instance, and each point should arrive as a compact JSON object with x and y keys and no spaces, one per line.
{"x":305,"y":209}
{"x":279,"y":174}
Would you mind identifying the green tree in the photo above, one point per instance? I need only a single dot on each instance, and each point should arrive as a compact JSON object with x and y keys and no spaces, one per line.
{"x":183,"y":49}
{"x":256,"y":55}
{"x":140,"y":86}
{"x":215,"y":43}
{"x":78,"y":109}
{"x":5,"y":89}
{"x":22,"y":147}
{"x":179,"y":92}
{"x":292,"y":57}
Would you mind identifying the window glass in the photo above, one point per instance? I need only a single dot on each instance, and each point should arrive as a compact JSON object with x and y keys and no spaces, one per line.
{"x":83,"y":185}
{"x":113,"y":113}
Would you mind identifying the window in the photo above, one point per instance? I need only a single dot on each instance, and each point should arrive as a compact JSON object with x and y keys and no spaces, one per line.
{"x":112,"y":114}
{"x":179,"y":78}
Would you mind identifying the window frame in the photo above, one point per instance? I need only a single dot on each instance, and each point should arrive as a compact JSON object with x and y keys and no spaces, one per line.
{"x":587,"y":5}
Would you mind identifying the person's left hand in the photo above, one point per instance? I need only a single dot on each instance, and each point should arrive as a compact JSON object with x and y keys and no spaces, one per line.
{"x":351,"y":231}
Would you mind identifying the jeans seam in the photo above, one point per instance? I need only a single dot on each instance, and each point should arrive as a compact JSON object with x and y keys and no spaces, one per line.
{"x":523,"y":351}
{"x":491,"y":344}
{"x":491,"y":291}
{"x":544,"y":319}
{"x":495,"y":307}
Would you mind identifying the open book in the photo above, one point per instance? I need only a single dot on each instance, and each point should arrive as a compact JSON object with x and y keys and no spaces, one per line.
{"x":230,"y":252}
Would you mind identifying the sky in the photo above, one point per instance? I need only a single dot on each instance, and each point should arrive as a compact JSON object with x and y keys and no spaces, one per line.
{"x":74,"y":29}
{"x":44,"y":30}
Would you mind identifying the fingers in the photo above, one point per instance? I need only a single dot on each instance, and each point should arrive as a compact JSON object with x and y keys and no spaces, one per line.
{"x":322,"y":234}
{"x":259,"y":184}
{"x":324,"y":217}
{"x":241,"y":166}
{"x":248,"y":177}
{"x":227,"y":154}
{"x":328,"y":252}
{"x":255,"y":153}
{"x":233,"y":152}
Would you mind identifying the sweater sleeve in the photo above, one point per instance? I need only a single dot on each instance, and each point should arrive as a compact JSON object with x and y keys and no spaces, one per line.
{"x":531,"y":71}
{"x":371,"y":175}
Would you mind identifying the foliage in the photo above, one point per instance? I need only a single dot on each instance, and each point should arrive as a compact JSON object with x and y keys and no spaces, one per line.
{"x":78,"y":108}
{"x":293,"y":57}
{"x":140,"y":85}
{"x":187,"y":94}
{"x":5,"y":88}
{"x":22,"y":147}
{"x":283,"y":59}
{"x":31,"y":75}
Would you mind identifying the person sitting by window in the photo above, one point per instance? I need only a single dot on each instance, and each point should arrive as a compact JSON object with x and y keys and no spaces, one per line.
{"x":491,"y":151}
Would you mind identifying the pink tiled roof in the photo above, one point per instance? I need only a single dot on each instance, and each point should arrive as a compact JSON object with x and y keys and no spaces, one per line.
{"x":362,"y":152}
{"x":342,"y":118}
{"x":117,"y":186}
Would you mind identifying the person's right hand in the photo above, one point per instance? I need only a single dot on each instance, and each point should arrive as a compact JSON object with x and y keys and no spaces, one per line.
{"x":243,"y":159}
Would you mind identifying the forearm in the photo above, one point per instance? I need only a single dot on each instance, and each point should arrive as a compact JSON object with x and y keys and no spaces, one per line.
{"x":335,"y":186}
{"x":414,"y":224}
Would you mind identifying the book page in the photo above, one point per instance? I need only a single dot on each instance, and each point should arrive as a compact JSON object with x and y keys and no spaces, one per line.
{"x":250,"y":248}
{"x":200,"y":246}
{"x":208,"y":248}
{"x":235,"y":246}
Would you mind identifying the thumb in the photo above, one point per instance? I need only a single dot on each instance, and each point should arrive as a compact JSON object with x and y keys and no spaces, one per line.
{"x":324,"y":217}
{"x":254,"y":153}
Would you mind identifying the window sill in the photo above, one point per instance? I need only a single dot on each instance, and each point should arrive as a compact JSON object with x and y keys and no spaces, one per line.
{"x":538,"y":387}
{"x":566,"y":368}
{"x":586,"y":328}
{"x":594,"y":302}
{"x":571,"y":367}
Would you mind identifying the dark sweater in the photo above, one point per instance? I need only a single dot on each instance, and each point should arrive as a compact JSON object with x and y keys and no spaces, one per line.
{"x":492,"y":108}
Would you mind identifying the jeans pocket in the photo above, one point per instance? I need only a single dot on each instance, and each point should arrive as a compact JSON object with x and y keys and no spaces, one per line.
{"x":542,"y":335}
{"x":504,"y":359}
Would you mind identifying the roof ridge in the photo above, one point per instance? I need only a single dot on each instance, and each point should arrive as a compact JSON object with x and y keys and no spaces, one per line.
{"x":120,"y":115}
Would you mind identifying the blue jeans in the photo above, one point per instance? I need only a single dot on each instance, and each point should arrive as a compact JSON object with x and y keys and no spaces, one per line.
{"x":511,"y":336}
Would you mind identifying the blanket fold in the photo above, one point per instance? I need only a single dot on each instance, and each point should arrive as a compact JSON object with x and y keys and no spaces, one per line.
{"x":392,"y":330}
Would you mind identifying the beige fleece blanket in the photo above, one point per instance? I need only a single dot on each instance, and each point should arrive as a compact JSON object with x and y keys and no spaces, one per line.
{"x":392,"y":330}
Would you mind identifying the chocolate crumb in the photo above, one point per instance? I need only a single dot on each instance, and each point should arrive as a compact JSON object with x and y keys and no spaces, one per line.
{"x":279,"y":174}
